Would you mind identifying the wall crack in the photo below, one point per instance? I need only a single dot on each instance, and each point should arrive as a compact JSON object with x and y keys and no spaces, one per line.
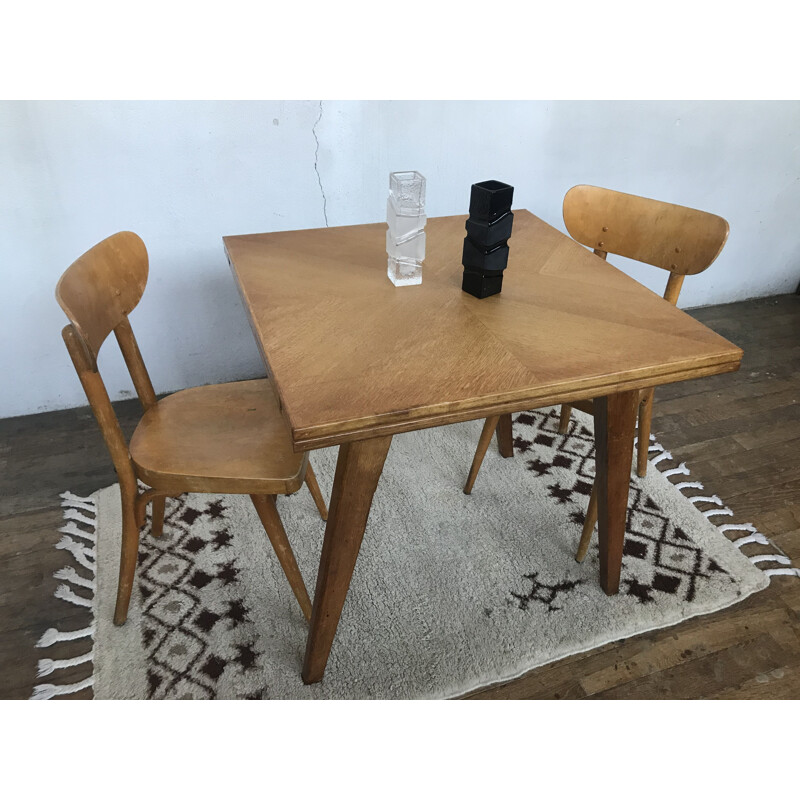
{"x":316,"y":166}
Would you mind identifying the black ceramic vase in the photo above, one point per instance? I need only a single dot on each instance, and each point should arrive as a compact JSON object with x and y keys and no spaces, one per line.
{"x":489,"y":224}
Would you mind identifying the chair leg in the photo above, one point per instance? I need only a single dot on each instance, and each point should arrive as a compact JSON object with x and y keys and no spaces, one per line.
{"x":643,"y":446}
{"x":588,"y":525}
{"x":313,"y":487}
{"x":566,"y":413}
{"x":483,"y":445}
{"x":128,"y":554}
{"x":157,"y":521}
{"x":270,"y":519}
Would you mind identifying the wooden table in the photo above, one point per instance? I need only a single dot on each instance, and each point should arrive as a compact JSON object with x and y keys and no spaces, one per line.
{"x":356,"y":360}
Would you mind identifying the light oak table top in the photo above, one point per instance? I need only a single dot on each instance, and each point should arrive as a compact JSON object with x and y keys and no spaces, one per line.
{"x":354,"y":357}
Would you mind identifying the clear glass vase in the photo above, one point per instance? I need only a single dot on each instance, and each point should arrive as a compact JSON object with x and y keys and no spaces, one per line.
{"x":405,"y":237}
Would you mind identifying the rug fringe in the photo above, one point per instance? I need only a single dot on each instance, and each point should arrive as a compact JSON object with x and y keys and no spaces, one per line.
{"x":755,"y":538}
{"x":706,"y":499}
{"x":71,"y":499}
{"x":80,"y":552}
{"x":722,"y":510}
{"x":69,"y":574}
{"x":688,"y":485}
{"x":74,"y":513}
{"x":51,"y":636}
{"x":74,"y":530}
{"x":661,"y":456}
{"x":63,"y":592}
{"x":783,"y":571}
{"x":46,"y":691}
{"x":780,"y":559}
{"x":48,"y":665}
{"x":78,"y":524}
{"x":712,"y":512}
{"x":732,"y":527}
{"x":681,"y":469}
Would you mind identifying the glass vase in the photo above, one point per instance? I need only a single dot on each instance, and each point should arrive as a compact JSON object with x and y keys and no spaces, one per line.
{"x":405,"y":236}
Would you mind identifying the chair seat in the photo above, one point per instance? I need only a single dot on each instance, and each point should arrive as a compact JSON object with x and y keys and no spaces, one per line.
{"x":227,"y":437}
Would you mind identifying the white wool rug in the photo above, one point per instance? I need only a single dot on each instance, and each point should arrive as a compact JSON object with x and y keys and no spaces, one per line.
{"x":450,"y":593}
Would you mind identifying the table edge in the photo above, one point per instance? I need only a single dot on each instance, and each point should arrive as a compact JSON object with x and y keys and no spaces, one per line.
{"x":327,"y":435}
{"x":313,"y":437}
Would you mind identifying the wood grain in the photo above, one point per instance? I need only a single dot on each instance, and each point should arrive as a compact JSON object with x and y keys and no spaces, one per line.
{"x":226,"y":437}
{"x":588,"y":526}
{"x":223,"y":438}
{"x":566,"y":326}
{"x":683,"y":240}
{"x":271,"y":520}
{"x":614,"y":418}
{"x":505,"y":436}
{"x":102,"y":287}
{"x":489,"y":427}
{"x":643,"y":431}
{"x":316,"y":493}
{"x":358,"y":469}
{"x":675,"y":238}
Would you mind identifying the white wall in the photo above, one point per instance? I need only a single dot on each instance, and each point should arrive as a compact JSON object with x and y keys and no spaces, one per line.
{"x":182,"y":175}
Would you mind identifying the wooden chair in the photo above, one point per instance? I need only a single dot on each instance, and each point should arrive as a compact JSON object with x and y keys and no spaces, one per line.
{"x":227,"y":438}
{"x":683,"y":241}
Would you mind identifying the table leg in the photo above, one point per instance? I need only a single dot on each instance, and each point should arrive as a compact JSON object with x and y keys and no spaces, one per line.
{"x":358,"y":470}
{"x":614,"y":422}
{"x":505,"y":436}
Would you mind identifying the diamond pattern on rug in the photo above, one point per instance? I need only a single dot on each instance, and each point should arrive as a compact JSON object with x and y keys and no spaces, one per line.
{"x":658,"y":556}
{"x":188,"y":579}
{"x":543,"y":593}
{"x":450,"y":592}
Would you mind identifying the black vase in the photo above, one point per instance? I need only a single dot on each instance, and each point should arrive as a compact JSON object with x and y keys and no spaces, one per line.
{"x":485,"y":253}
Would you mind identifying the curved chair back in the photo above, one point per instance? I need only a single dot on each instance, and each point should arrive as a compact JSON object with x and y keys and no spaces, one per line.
{"x":97,"y":292}
{"x":100,"y":289}
{"x":682,"y":240}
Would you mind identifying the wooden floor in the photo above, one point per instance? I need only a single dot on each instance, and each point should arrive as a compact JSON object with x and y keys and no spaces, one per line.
{"x":739,"y":434}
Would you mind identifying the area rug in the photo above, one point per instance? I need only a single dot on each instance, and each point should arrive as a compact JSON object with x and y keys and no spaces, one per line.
{"x":450,"y":593}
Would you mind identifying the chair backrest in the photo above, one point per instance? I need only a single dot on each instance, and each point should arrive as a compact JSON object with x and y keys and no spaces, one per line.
{"x":97,"y":292}
{"x":102,"y":287}
{"x":682,"y":240}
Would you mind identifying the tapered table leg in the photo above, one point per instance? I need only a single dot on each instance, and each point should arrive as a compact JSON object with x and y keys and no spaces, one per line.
{"x":358,"y":470}
{"x":505,"y":436}
{"x":614,"y":422}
